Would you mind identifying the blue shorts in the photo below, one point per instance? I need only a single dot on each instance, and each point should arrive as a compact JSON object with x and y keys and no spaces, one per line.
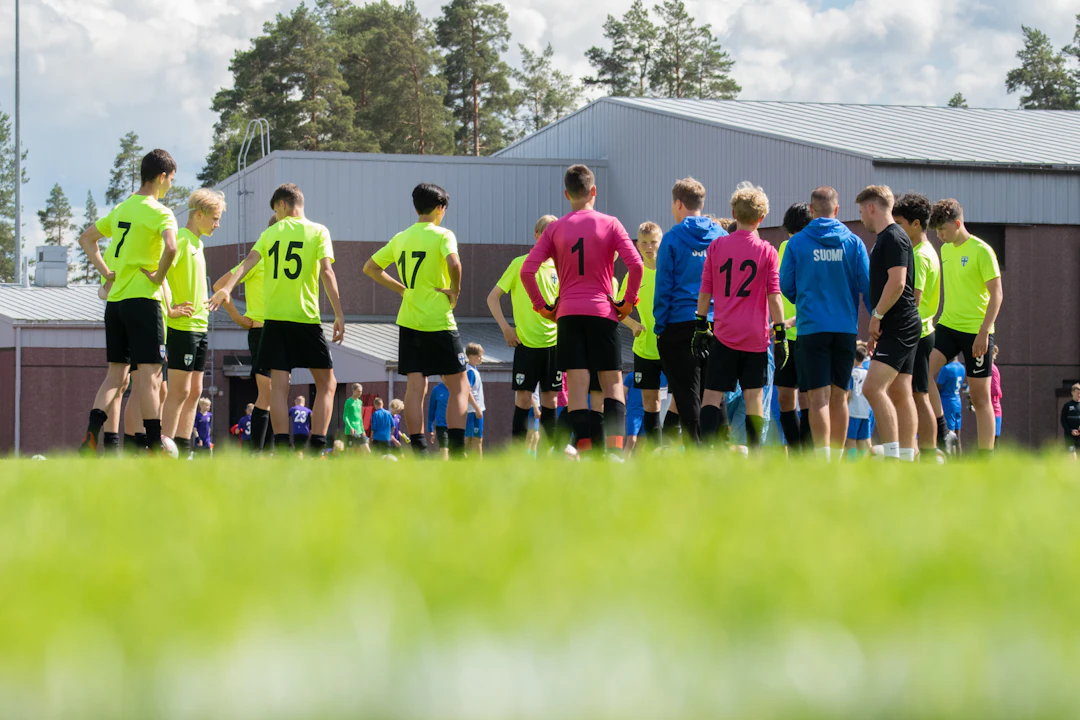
{"x":858,"y":429}
{"x":953,"y":419}
{"x":634,"y":422}
{"x":474,"y":428}
{"x":997,"y":426}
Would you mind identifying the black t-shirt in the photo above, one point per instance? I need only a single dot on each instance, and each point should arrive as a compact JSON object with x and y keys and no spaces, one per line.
{"x":893,"y":249}
{"x":1070,"y":418}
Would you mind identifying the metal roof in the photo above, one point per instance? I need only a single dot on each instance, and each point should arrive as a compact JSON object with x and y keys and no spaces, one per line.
{"x":74,"y":304}
{"x":905,"y":134}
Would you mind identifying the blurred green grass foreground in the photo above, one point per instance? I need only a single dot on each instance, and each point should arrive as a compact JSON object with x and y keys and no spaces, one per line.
{"x":670,"y":587}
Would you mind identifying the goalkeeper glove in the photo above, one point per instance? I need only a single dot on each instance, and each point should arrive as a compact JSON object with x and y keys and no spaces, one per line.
{"x":548,"y":312}
{"x":703,"y":338}
{"x":779,"y":345}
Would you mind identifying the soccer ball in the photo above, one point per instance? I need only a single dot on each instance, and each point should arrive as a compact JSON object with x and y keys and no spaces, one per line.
{"x":389,"y":457}
{"x":169,"y":447}
{"x":38,"y":457}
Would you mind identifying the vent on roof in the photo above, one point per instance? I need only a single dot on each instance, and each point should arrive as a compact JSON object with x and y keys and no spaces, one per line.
{"x":51,"y":268}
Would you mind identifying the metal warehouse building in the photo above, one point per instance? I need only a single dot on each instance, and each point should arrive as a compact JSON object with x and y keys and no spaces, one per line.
{"x":1017,"y":174}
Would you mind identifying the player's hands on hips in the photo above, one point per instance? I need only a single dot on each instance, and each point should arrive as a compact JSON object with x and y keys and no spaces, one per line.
{"x":451,"y":295}
{"x":980,"y":344}
{"x":780,"y":346}
{"x":875,"y":328}
{"x":702,"y":339}
{"x":1076,"y":433}
{"x":179,"y":310}
{"x":550,"y":312}
{"x":218,"y":299}
{"x":622,"y":308}
{"x":637,"y":328}
{"x":511,"y":337}
{"x":339,"y":330}
{"x":152,"y":275}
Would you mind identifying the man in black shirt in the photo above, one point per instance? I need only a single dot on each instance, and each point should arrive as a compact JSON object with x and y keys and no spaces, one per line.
{"x":895,"y":326}
{"x":1070,"y":420}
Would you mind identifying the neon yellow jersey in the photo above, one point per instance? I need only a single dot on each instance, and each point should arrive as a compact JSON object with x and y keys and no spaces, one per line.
{"x":928,"y":280}
{"x":291,"y":252}
{"x":965,"y":270}
{"x":645,"y":343}
{"x":420,"y":253}
{"x":789,"y":307}
{"x":187,"y":279}
{"x":254,"y":309}
{"x":135,"y":227}
{"x":533,"y":330}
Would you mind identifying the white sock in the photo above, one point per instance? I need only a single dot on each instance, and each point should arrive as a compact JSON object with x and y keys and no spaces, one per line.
{"x":907,"y":454}
{"x":823,"y":452}
{"x":891,"y":449}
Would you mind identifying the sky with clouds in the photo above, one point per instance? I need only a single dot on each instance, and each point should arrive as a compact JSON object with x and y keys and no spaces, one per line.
{"x":95,"y":69}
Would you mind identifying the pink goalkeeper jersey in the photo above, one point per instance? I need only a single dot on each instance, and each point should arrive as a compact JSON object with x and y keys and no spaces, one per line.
{"x":741,"y":271}
{"x":584,"y":245}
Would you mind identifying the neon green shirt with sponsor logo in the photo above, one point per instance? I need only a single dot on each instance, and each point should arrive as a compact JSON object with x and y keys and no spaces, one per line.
{"x":135,"y":227}
{"x":419,"y":253}
{"x":187,"y":280}
{"x":645,"y":343}
{"x":928,"y":281}
{"x":532,"y":329}
{"x":965,"y":270}
{"x":292,"y":250}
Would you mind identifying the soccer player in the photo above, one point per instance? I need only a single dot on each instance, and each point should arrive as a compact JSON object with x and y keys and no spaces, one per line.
{"x":583,"y":244}
{"x":950,"y":382}
{"x":186,"y":343}
{"x":995,"y":394}
{"x":647,"y":366}
{"x":300,"y":416}
{"x":396,"y":408}
{"x":741,"y":280}
{"x":679,"y":265}
{"x":796,"y":426}
{"x":134,"y":329}
{"x":635,"y":413}
{"x":474,"y":419}
{"x":895,"y":326}
{"x":438,"y":433}
{"x":382,"y":428}
{"x":533,"y":338}
{"x":1070,"y":420}
{"x":242,"y":429}
{"x":825,"y":270}
{"x":973,"y":295}
{"x":297,"y":253}
{"x":353,"y":418}
{"x":859,"y":431}
{"x":912,"y":213}
{"x":203,"y":419}
{"x":429,"y":271}
{"x":252,"y":321}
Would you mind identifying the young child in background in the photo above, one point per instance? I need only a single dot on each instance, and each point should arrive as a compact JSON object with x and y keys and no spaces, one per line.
{"x":242,"y":428}
{"x":951,"y":383}
{"x":397,"y":407}
{"x":203,"y":417}
{"x":995,"y":394}
{"x":474,"y":421}
{"x":382,"y":428}
{"x":858,"y":439}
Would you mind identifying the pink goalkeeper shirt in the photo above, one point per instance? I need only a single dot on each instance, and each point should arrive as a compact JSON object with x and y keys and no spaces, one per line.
{"x":741,"y":271}
{"x":583,"y":245}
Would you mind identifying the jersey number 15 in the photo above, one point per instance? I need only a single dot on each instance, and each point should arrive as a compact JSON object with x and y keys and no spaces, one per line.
{"x":290,"y":256}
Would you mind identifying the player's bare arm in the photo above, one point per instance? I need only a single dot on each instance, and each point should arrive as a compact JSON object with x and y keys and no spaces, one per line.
{"x":894,"y":288}
{"x":329,"y":279}
{"x":982,"y":340}
{"x":88,"y":241}
{"x":453,"y":268}
{"x":168,"y":254}
{"x":379,"y":275}
{"x":495,"y":308}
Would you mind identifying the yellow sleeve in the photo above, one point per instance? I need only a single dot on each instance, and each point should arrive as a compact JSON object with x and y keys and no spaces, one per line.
{"x":384,"y":256}
{"x":509,"y":277}
{"x":988,"y":264}
{"x":326,"y":246}
{"x":260,"y":245}
{"x":922,"y":267}
{"x":449,"y":244}
{"x":105,"y":224}
{"x":165,"y":221}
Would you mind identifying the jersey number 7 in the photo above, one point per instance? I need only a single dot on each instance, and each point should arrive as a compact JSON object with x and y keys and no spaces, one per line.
{"x":418,"y":256}
{"x":126,"y":227}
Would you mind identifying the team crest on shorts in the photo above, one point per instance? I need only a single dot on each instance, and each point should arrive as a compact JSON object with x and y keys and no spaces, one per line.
{"x":161,"y":349}
{"x":637,"y":378}
{"x":519,"y":379}
{"x":188,"y":359}
{"x":461,"y":359}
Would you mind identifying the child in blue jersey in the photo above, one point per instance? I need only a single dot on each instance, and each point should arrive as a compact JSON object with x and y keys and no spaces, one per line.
{"x":474,"y":421}
{"x":382,"y":428}
{"x":951,"y":382}
{"x":300,"y":417}
{"x":397,"y":407}
{"x":203,"y":417}
{"x":436,"y":419}
{"x":242,"y":429}
{"x":635,"y":412}
{"x":859,"y":411}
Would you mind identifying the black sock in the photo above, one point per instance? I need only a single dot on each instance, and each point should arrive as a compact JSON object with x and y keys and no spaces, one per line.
{"x":615,"y":421}
{"x":754,"y":425}
{"x":789,"y":423}
{"x":317,"y":443}
{"x":806,"y":437}
{"x":564,"y":431}
{"x":549,"y":422}
{"x":183,"y":445}
{"x":455,"y":440}
{"x":651,"y":426}
{"x":282,"y":441}
{"x":140,"y":440}
{"x":260,"y":422}
{"x":112,"y":442}
{"x":580,"y":425}
{"x":418,"y":443}
{"x":519,"y":425}
{"x":710,"y":423}
{"x":153,"y":434}
{"x":596,"y":430}
{"x":673,"y":425}
{"x":942,"y":429}
{"x":131,"y":444}
{"x":97,"y":419}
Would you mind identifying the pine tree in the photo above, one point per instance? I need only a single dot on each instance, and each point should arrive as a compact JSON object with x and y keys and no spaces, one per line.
{"x":626,"y":68}
{"x":87,"y":273}
{"x":675,"y":72}
{"x":474,"y":35}
{"x":125,"y":177}
{"x":56,"y":220}
{"x":546,"y":94}
{"x":713,"y":68}
{"x":7,"y":198}
{"x":958,"y":101}
{"x":1044,"y":75}
{"x":176,"y":197}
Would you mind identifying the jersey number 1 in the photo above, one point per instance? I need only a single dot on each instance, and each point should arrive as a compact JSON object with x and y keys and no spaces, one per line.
{"x":418,"y":256}
{"x":579,"y":248}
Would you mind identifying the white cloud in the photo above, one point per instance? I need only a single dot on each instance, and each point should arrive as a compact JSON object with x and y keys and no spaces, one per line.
{"x":95,"y":69}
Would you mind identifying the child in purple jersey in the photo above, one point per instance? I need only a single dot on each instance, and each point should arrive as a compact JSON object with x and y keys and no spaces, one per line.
{"x":300,"y":418}
{"x":203,"y":418}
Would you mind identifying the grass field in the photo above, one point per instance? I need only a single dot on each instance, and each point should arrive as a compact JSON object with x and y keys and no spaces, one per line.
{"x":673,"y":587}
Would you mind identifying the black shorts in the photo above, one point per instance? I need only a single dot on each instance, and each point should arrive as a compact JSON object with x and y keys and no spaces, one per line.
{"x":437,"y":352}
{"x":951,"y":343}
{"x":825,"y":359}
{"x":536,"y":366}
{"x":788,"y":376}
{"x":442,"y":434}
{"x":254,"y":340}
{"x":920,"y":375}
{"x":134,"y":332}
{"x":587,"y":342}
{"x":897,"y":349}
{"x":356,"y":440}
{"x":186,"y":350}
{"x":728,"y":367}
{"x":286,"y":345}
{"x":646,"y":373}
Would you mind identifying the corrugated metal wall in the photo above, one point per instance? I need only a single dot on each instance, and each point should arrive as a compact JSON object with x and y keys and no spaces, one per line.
{"x":369,"y":197}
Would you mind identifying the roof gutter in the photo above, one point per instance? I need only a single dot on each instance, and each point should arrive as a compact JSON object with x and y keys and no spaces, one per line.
{"x":974,"y":165}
